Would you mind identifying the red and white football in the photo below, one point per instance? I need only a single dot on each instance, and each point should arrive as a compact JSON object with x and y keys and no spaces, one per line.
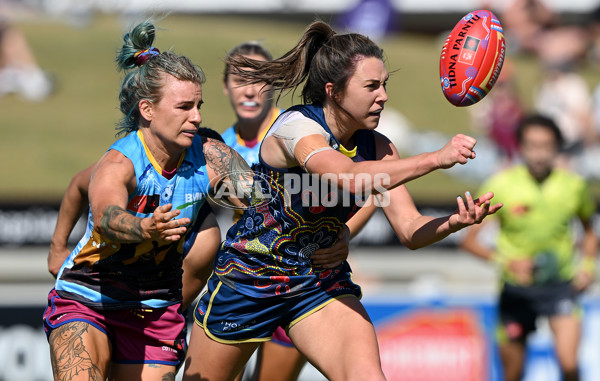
{"x":472,"y":58}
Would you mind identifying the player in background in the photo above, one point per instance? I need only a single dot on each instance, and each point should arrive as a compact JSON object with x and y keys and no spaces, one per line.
{"x":252,"y":105}
{"x":263,"y":276}
{"x":540,"y":272}
{"x":277,"y":359}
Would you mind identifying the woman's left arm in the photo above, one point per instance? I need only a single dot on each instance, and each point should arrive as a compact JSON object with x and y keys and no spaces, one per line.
{"x":229,"y":174}
{"x":415,"y":230}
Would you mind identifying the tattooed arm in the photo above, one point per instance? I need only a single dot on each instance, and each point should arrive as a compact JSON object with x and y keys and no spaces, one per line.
{"x":230,"y":175}
{"x":112,"y":182}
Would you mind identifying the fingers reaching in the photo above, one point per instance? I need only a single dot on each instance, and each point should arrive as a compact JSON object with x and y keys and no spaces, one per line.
{"x":472,"y":211}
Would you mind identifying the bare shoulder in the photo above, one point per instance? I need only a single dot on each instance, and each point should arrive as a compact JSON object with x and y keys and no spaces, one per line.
{"x":114,"y":167}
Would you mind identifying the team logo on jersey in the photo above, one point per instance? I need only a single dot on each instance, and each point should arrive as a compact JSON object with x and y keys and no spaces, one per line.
{"x":144,"y":204}
{"x":167,"y":194}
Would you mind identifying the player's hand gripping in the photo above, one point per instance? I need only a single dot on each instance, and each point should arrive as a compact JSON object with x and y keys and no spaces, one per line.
{"x":458,"y":150}
{"x":471,"y":211}
{"x":163,"y":225}
{"x":335,"y":255}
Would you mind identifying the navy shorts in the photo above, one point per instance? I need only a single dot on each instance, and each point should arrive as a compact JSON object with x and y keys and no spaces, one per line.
{"x":230,"y":317}
{"x":519,"y":307}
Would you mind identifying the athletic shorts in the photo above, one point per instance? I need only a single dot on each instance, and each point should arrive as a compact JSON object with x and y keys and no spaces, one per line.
{"x":519,"y":307}
{"x":138,"y":336}
{"x":230,"y":317}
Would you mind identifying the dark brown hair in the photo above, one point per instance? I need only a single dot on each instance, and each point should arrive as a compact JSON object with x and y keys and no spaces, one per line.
{"x":542,"y":121}
{"x":321,"y":56}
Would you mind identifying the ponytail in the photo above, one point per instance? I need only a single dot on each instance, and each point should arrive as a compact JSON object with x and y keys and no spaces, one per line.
{"x":320,"y":57}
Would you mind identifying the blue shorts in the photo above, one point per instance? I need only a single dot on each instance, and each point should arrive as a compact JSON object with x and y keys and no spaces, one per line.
{"x":230,"y":317}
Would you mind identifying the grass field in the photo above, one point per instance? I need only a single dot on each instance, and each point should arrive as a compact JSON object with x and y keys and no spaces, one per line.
{"x":43,"y":144}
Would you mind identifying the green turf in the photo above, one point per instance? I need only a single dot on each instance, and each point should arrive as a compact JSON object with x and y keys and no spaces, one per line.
{"x":44,"y":144}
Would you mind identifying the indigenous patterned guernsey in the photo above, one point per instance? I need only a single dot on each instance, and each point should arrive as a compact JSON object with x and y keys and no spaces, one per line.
{"x":268,"y":251}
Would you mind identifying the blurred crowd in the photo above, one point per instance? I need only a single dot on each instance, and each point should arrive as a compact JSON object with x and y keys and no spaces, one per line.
{"x":532,"y":28}
{"x":561,"y":50}
{"x":20,"y":73}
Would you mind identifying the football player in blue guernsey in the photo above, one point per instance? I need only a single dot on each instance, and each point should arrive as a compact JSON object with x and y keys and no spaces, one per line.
{"x":252,"y":104}
{"x":277,"y":359}
{"x":198,"y":259}
{"x":316,"y":165}
{"x":115,"y":311}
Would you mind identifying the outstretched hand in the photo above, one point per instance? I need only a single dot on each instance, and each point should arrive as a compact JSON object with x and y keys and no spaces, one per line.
{"x":163,"y":226}
{"x":458,"y":150}
{"x":471,"y":211}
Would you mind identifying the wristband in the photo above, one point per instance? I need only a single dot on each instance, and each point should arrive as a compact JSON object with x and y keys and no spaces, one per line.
{"x":588,"y":265}
{"x":497,"y":258}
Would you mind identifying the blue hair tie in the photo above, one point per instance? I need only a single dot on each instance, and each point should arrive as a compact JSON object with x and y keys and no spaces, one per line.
{"x":144,"y":55}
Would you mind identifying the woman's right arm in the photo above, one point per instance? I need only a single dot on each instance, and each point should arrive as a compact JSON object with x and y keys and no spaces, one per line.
{"x":391,"y":173}
{"x":113,"y":181}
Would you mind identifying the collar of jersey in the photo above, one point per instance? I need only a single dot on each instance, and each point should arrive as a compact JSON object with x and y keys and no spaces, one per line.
{"x":350,"y":153}
{"x":155,"y":164}
{"x":274,"y":114}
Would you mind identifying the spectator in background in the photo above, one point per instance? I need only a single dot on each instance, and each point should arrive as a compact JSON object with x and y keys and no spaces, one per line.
{"x":19,"y":70}
{"x":499,"y":114}
{"x":563,"y":94}
{"x":588,"y":163}
{"x":525,"y":22}
{"x":593,"y":28}
{"x":540,"y":272}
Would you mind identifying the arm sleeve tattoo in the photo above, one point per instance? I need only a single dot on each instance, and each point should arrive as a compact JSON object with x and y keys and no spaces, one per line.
{"x":231,"y":169}
{"x":120,"y":226}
